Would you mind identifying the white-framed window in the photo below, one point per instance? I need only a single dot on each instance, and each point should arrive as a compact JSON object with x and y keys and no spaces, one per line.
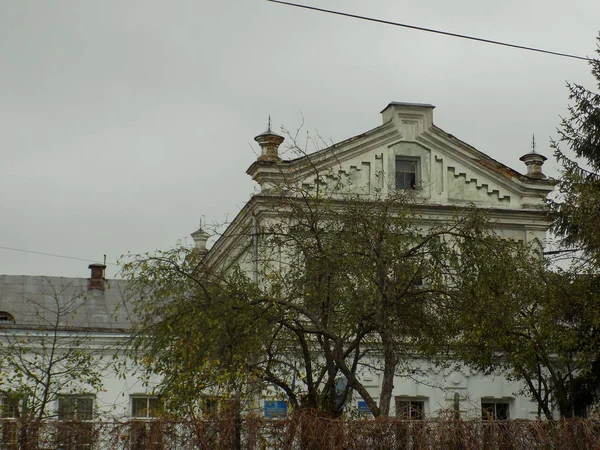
{"x":9,"y":429}
{"x":145,"y":406}
{"x":9,"y":406}
{"x":407,"y":173}
{"x":76,"y":407}
{"x":495,"y":409}
{"x":410,"y":408}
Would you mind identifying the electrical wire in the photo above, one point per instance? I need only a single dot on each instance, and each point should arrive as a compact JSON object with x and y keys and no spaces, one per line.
{"x":431,"y":30}
{"x":51,"y":254}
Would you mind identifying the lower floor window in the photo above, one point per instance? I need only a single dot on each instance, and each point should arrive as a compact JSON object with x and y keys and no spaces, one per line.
{"x":495,"y":410}
{"x":210,"y":405}
{"x":214,"y":405}
{"x":410,"y":408}
{"x":145,"y":406}
{"x":9,"y":406}
{"x":9,"y":429}
{"x":75,"y":407}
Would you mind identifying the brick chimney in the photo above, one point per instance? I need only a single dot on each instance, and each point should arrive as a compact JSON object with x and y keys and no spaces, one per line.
{"x":96,"y":276}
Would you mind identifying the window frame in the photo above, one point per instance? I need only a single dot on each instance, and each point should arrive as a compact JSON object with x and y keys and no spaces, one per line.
{"x":416,"y":162}
{"x":416,"y":407}
{"x":150,"y":411}
{"x":9,"y":406}
{"x":218,"y":405}
{"x":489,"y":403}
{"x":78,"y":413}
{"x":9,"y":425}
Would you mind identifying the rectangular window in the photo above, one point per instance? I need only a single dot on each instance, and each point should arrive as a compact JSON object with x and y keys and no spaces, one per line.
{"x":75,"y":407}
{"x":407,"y":173}
{"x":212,"y":405}
{"x":410,"y":409}
{"x":9,"y":429}
{"x":9,"y":406}
{"x":495,"y":410}
{"x":145,"y":406}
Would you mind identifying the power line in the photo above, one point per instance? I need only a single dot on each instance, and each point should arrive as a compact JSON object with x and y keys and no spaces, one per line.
{"x":431,"y":30}
{"x":52,"y":254}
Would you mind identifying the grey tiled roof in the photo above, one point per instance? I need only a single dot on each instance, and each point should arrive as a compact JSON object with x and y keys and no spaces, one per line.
{"x":36,"y":301}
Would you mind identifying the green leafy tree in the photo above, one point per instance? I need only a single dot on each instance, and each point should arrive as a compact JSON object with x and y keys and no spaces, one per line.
{"x":515,"y":315}
{"x":338,"y":285}
{"x":368,"y":275}
{"x":320,"y":283}
{"x":198,"y":331}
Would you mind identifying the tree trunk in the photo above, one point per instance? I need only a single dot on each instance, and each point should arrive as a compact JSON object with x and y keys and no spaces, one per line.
{"x":390,"y":361}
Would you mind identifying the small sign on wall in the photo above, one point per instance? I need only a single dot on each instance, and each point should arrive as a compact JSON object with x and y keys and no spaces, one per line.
{"x":363,"y":409}
{"x":275,"y":409}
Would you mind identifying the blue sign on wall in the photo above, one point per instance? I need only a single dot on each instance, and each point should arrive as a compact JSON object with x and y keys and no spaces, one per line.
{"x":275,"y":409}
{"x":363,"y":409}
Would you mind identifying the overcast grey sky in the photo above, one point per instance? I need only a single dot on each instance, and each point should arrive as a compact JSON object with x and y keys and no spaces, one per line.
{"x":123,"y":122}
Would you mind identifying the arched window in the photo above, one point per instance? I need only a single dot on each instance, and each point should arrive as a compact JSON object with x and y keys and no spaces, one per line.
{"x":6,"y":317}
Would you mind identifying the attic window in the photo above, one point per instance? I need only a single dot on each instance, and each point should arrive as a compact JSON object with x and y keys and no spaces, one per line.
{"x":407,"y":173}
{"x":6,"y":317}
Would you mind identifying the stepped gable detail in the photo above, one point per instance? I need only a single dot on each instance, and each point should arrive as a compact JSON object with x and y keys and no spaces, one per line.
{"x":447,"y":171}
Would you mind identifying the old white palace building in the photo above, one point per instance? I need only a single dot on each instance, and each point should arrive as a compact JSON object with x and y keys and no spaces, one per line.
{"x":406,"y":152}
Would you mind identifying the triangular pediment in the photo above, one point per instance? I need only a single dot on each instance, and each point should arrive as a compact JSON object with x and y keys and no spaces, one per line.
{"x":447,"y":171}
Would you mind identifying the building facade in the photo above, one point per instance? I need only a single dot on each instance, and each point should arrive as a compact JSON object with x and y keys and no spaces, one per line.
{"x":407,"y":152}
{"x":61,"y":344}
{"x":444,"y":176}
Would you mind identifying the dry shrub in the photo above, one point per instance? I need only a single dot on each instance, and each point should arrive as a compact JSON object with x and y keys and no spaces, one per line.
{"x":303,"y":430}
